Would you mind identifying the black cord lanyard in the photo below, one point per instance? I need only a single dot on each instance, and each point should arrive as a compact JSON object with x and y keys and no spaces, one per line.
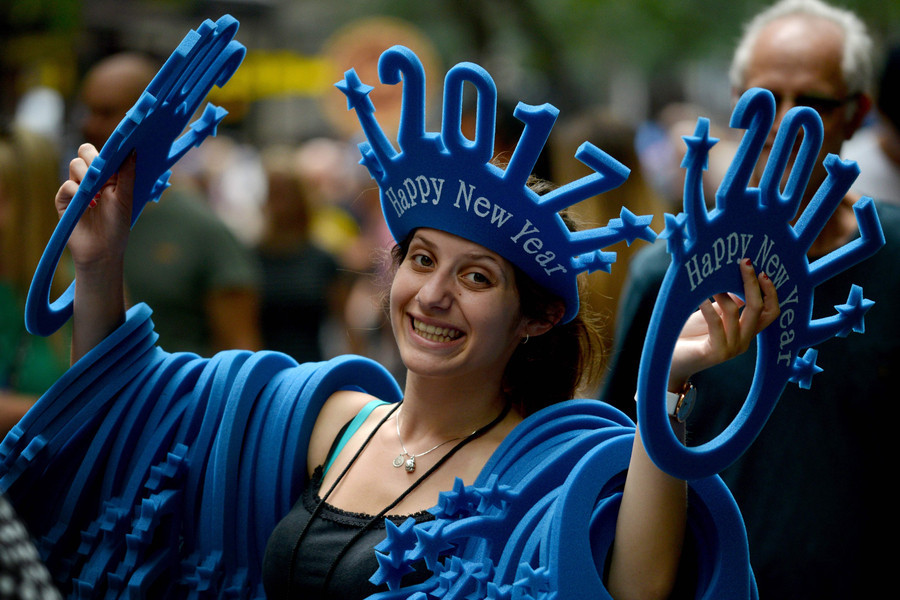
{"x":476,"y":434}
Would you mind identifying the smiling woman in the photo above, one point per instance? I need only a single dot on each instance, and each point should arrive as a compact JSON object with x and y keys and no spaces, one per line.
{"x":572,"y":351}
{"x":489,"y":324}
{"x":446,"y":282}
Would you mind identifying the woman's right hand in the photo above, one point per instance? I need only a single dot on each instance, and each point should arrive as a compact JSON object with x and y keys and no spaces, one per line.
{"x":718,"y":331}
{"x":97,"y":246}
{"x":101,"y":235}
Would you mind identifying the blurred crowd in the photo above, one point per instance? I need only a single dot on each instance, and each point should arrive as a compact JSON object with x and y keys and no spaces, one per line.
{"x":277,"y":246}
{"x":282,"y":246}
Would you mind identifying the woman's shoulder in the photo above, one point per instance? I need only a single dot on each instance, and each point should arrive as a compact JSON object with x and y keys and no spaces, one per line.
{"x":340,"y":408}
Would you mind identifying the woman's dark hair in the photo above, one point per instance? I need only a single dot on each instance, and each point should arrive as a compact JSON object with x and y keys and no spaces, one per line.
{"x":552,"y":367}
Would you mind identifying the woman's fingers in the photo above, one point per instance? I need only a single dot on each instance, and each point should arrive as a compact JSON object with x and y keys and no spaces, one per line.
{"x":102,"y":230}
{"x":64,"y":196}
{"x":87,"y":152}
{"x":728,"y":307}
{"x":77,"y":169}
{"x":761,"y":302}
{"x":732,"y":322}
{"x":122,"y":183}
{"x":126,"y":174}
{"x":758,"y":309}
{"x":712,"y":317}
{"x":771,"y":308}
{"x":724,"y":326}
{"x":78,"y":166}
{"x":753,"y":304}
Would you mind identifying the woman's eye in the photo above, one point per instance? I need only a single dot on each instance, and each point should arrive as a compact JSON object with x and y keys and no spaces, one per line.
{"x":478,"y":278}
{"x":422,"y":260}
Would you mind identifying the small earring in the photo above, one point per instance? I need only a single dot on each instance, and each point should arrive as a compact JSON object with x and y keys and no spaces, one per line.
{"x":525,"y":341}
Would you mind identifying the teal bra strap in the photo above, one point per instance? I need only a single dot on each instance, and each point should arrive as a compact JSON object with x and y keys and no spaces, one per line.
{"x":351,"y":428}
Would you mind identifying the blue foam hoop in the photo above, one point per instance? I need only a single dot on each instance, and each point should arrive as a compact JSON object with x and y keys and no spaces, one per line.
{"x":751,"y":223}
{"x":153,"y":130}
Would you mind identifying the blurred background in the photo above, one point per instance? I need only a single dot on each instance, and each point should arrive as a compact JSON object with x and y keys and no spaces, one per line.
{"x":634,"y":56}
{"x":629,"y":75}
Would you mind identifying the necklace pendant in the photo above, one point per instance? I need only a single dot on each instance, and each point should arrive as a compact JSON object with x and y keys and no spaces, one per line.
{"x":410,"y":464}
{"x":398,"y":462}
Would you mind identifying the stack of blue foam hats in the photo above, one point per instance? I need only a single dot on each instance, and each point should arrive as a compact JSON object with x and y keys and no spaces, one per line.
{"x":148,"y":474}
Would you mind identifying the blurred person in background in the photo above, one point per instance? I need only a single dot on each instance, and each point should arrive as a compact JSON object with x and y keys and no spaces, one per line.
{"x":302,"y":284}
{"x":29,"y":168}
{"x":811,"y":487}
{"x":346,"y":221}
{"x":330,"y":173}
{"x":661,"y":149}
{"x":201,"y":281}
{"x":877,"y":147}
{"x":617,"y":137}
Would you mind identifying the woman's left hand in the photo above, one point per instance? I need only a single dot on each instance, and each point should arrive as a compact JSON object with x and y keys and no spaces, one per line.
{"x":723,"y":329}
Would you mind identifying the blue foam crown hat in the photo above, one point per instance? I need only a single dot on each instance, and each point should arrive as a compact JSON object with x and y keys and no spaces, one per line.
{"x":448,"y":182}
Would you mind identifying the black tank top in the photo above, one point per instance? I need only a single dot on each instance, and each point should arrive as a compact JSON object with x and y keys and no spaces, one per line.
{"x":327,"y":535}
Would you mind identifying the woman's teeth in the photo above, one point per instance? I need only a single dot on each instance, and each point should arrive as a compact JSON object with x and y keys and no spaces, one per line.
{"x":436,"y":334}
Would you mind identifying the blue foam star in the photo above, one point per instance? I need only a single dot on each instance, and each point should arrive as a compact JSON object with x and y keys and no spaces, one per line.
{"x":370,"y":161}
{"x":206,"y":572}
{"x":398,"y":539}
{"x":493,"y":495}
{"x":804,"y":368}
{"x":698,"y":146}
{"x":499,"y":592}
{"x":475,"y":575}
{"x":357,"y":92}
{"x":171,"y":469}
{"x":431,"y":544}
{"x":534,"y":581}
{"x":447,"y":575}
{"x":448,"y":501}
{"x":150,"y":513}
{"x":390,"y":570}
{"x":632,"y":227}
{"x":674,"y":234}
{"x":854,"y":311}
{"x":392,"y":553}
{"x":208,"y":123}
{"x":458,"y":502}
{"x":598,"y":260}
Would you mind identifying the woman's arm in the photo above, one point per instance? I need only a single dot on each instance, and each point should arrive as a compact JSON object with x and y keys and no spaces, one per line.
{"x":651,"y":523}
{"x":649,"y":530}
{"x":97,"y":245}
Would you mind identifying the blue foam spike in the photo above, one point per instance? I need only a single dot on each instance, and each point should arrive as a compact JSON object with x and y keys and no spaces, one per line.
{"x":155,"y":130}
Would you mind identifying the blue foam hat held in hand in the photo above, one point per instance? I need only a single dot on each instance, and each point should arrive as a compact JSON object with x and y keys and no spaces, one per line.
{"x":752,"y":223}
{"x":446,"y":181}
{"x":153,"y":129}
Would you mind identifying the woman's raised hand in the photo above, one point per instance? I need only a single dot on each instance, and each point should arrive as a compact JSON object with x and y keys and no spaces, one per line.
{"x":102,"y":232}
{"x":97,"y":245}
{"x":723,"y":327}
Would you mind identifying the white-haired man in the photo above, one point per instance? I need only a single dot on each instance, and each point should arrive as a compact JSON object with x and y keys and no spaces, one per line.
{"x":811,"y":487}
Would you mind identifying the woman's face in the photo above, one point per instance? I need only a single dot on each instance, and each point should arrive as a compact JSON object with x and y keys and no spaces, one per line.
{"x":454,"y":307}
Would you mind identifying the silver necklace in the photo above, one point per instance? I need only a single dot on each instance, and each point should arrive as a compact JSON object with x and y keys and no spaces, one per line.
{"x":405,"y":459}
